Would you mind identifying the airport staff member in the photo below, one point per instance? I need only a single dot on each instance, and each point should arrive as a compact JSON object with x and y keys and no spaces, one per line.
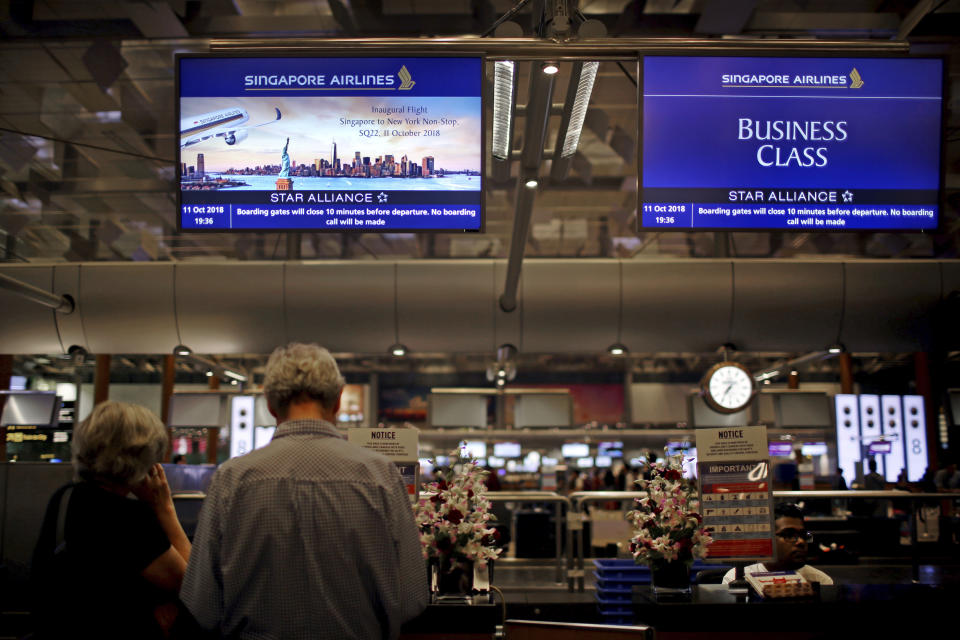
{"x":792,"y":539}
{"x":311,"y":536}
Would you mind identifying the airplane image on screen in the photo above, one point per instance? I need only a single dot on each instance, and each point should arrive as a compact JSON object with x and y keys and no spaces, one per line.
{"x":226,"y":123}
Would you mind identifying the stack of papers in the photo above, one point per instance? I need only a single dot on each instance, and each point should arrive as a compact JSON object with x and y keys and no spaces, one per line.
{"x":779,"y":584}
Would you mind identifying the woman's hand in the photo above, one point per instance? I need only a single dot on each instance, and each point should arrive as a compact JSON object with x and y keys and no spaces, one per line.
{"x":154,"y":489}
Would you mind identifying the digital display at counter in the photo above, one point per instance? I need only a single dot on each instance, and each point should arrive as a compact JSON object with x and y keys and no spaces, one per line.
{"x":575,"y":450}
{"x":473,"y":449}
{"x":506,"y":449}
{"x":879,"y":447}
{"x":330,"y":144}
{"x":612,"y":449}
{"x":792,"y":144}
{"x":780,"y":449}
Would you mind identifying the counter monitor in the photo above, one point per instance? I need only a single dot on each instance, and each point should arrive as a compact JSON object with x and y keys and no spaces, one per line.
{"x":426,"y":467}
{"x":678,"y":448}
{"x":321,"y":143}
{"x":879,"y":447}
{"x":531,"y":462}
{"x":507,"y":449}
{"x":814,"y":449}
{"x":585,"y":462}
{"x":473,"y":449}
{"x":575,"y":450}
{"x":613,"y":449}
{"x":30,"y":408}
{"x":780,"y":449}
{"x":791,"y":144}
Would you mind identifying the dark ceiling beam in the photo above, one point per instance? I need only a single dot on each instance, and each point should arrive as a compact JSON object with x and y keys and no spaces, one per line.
{"x":537,"y":49}
{"x":916,"y":15}
{"x":725,"y":16}
{"x":937,"y":26}
{"x":319,"y":26}
{"x":854,"y":23}
{"x":20,"y":23}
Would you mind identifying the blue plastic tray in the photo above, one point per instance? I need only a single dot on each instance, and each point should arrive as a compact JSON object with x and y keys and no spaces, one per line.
{"x":621,"y":583}
{"x":609,"y":568}
{"x":606,"y":604}
{"x":616,"y":618}
{"x":618,"y":594}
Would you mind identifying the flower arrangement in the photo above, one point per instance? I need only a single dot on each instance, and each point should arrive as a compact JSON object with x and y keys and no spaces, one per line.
{"x":666,"y":523}
{"x":453,"y":521}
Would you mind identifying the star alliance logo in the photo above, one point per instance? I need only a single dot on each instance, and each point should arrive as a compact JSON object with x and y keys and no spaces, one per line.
{"x":382,"y":197}
{"x":847,"y":197}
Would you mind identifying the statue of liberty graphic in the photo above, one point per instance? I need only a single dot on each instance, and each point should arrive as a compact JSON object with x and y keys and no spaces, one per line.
{"x":285,"y":161}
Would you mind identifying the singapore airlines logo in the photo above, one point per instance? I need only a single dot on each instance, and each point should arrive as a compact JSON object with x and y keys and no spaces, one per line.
{"x":406,"y":80}
{"x":855,"y":80}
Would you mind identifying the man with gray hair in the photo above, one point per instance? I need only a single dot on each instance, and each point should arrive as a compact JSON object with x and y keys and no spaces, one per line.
{"x":310,"y":536}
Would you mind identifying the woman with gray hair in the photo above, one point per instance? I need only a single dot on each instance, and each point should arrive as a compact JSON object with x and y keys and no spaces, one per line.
{"x":125,"y":550}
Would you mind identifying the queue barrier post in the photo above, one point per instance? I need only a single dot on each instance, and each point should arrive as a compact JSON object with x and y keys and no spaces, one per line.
{"x":578,"y":502}
{"x":562,"y":508}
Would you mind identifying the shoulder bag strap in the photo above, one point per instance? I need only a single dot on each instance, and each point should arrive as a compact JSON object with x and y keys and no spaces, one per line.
{"x":62,"y":518}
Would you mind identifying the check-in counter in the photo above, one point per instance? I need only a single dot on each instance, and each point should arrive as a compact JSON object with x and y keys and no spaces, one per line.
{"x":476,"y":619}
{"x":839,"y":611}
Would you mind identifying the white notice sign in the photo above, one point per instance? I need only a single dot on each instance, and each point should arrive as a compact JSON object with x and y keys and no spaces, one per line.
{"x":734,"y":469}
{"x":731,"y":443}
{"x":396,"y":444}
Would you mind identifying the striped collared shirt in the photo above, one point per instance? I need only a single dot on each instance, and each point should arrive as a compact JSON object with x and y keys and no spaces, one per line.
{"x":309,"y":537}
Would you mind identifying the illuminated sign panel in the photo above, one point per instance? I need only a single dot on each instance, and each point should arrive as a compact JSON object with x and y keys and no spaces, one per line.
{"x":330,"y":144}
{"x":795,"y":144}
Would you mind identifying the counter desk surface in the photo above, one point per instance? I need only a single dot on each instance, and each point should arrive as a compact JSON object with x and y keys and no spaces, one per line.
{"x":476,"y":619}
{"x":838,"y":611}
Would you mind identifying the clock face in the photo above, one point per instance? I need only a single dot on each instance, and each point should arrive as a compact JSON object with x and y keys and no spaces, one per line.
{"x":728,"y":387}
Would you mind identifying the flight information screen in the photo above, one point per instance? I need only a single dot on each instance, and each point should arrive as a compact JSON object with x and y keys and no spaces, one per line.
{"x":801,"y":144}
{"x":330,"y":144}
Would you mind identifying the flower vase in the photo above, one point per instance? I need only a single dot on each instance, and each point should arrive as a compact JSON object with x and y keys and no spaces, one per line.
{"x":454,"y":579}
{"x":670,"y":579}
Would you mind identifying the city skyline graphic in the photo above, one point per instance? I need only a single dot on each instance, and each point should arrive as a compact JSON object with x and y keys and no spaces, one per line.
{"x":313,"y":125}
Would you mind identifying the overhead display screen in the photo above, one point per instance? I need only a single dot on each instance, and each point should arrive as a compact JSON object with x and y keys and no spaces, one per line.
{"x":802,"y":144}
{"x":330,"y":144}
